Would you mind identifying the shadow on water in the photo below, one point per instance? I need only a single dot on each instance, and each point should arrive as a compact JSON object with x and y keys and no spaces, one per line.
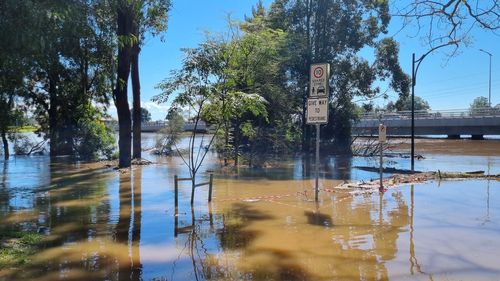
{"x":233,"y":234}
{"x":316,"y":218}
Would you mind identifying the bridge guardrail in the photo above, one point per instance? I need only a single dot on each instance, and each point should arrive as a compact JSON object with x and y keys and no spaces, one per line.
{"x":435,"y":114}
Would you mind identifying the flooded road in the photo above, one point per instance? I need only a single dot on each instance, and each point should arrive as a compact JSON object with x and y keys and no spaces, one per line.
{"x":100,"y":224}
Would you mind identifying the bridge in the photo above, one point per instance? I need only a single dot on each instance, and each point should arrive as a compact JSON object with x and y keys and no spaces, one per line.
{"x":155,"y":126}
{"x":452,"y":123}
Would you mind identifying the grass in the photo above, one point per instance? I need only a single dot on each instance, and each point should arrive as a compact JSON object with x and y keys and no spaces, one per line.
{"x":17,"y":247}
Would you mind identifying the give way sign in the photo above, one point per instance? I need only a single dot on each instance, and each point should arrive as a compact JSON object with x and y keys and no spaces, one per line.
{"x":317,"y":111}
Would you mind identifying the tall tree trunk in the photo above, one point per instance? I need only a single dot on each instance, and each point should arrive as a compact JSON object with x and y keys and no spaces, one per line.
{"x":136,"y":108}
{"x":5,"y":145}
{"x":53,"y":126}
{"x":124,"y":21}
{"x":236,"y":144}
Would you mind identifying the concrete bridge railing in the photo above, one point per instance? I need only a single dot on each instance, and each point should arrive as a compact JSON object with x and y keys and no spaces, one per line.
{"x":444,"y":122}
{"x":154,"y":126}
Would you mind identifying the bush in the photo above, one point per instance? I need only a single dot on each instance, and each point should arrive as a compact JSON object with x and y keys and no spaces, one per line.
{"x":93,"y":139}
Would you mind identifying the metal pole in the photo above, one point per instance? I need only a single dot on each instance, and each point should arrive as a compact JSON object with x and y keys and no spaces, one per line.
{"x":176,"y":200}
{"x":176,"y":191}
{"x":210,"y":187}
{"x":489,"y":84}
{"x":381,"y":188}
{"x":413,"y":82}
{"x":316,"y":190}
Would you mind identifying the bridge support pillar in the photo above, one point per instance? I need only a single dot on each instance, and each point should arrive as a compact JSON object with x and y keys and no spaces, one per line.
{"x":453,"y":137}
{"x":477,"y":137}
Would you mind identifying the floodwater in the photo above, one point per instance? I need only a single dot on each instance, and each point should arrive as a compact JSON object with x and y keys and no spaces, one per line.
{"x":101,"y":224}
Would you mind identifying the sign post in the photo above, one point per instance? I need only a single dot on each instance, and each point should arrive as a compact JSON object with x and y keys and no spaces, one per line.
{"x":382,"y":138}
{"x":317,"y":107}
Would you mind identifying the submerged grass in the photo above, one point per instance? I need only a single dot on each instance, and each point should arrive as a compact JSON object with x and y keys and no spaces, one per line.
{"x":17,"y":247}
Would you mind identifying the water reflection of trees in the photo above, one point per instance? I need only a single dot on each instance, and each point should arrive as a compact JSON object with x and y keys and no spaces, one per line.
{"x":363,"y":232}
{"x":368,"y":235}
{"x":232,"y":235}
{"x":76,"y":214}
{"x":128,"y":228}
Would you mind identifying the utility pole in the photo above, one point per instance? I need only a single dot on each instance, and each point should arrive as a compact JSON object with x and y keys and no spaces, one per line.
{"x":489,"y":84}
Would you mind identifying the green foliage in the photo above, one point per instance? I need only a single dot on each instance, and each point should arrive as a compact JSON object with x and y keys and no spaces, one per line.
{"x":481,"y":106}
{"x":479,"y":103}
{"x":171,"y":134}
{"x":145,"y":115}
{"x":404,"y":104}
{"x":92,"y":138}
{"x":334,"y":32}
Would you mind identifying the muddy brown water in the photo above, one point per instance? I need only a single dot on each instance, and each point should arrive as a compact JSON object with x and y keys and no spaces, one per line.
{"x":262,"y":225}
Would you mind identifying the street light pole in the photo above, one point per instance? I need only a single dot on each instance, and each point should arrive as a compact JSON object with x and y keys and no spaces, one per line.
{"x":413,"y":83}
{"x":489,"y":84}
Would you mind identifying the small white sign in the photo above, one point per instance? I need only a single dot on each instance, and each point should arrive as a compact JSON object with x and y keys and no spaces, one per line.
{"x":317,"y":111}
{"x":382,"y":133}
{"x":319,"y":80}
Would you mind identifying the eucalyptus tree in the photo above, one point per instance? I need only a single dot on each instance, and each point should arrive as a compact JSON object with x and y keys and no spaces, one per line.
{"x":132,"y":20}
{"x":150,"y":19}
{"x":335,"y":31}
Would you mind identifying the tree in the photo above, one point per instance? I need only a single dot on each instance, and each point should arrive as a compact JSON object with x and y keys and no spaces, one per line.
{"x":145,"y":115}
{"x":195,"y":87}
{"x":314,"y":35}
{"x":62,"y":66}
{"x":151,"y":17}
{"x":479,"y":105}
{"x":450,"y":22}
{"x":404,"y":104}
{"x":257,"y":106}
{"x":171,"y":134}
{"x":18,"y":42}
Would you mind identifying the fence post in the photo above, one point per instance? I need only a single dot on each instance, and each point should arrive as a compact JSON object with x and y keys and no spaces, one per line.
{"x":176,"y":200}
{"x":176,"y":188}
{"x":210,"y":187}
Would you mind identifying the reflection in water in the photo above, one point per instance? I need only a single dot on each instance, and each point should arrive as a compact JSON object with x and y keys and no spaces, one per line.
{"x":97,"y":226}
{"x":128,"y":228}
{"x":340,"y":168}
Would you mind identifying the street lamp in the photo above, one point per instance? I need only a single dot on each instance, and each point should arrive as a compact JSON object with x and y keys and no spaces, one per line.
{"x":489,"y":84}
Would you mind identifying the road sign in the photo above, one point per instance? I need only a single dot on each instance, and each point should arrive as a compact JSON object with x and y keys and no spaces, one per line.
{"x":317,"y":111}
{"x":319,"y":77}
{"x":382,"y":133}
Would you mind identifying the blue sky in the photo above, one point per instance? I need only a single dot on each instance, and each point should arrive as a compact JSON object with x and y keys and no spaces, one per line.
{"x":445,"y":83}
